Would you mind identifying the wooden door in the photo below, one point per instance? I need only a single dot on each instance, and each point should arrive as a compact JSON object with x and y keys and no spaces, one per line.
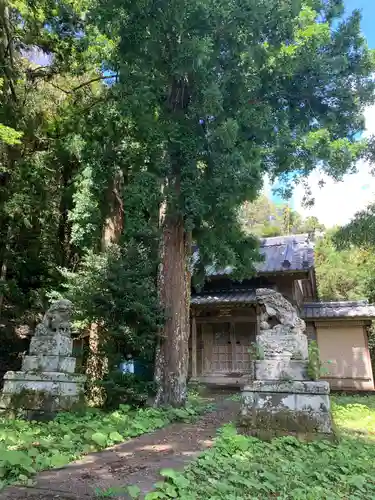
{"x":244,"y":334}
{"x":221,"y":348}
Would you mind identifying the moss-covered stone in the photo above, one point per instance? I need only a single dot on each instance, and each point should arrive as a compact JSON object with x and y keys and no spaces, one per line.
{"x":39,"y":405}
{"x":263,"y":422}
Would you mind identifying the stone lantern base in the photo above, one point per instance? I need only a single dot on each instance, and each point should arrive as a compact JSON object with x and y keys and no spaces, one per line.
{"x":286,"y":407}
{"x":282,"y":399}
{"x":37,"y":395}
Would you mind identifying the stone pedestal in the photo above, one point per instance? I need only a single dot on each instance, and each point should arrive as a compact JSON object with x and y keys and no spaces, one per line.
{"x":46,"y":383}
{"x":283,"y":407}
{"x":280,"y":399}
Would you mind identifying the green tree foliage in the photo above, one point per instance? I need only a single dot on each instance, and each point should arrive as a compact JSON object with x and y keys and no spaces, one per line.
{"x":116,"y":289}
{"x":360,"y":231}
{"x":346,"y":263}
{"x":266,"y":218}
{"x":31,"y":168}
{"x":114,"y":218}
{"x":68,"y":175}
{"x":44,"y":73}
{"x":9,"y":136}
{"x":219,"y":94}
{"x":345,"y":274}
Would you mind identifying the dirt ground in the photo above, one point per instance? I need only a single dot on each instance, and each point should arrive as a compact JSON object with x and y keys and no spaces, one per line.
{"x":137,"y":461}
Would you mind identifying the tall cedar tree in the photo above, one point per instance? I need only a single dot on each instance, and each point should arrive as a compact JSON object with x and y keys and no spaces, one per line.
{"x":223,"y":92}
{"x":50,"y":80}
{"x":38,"y":47}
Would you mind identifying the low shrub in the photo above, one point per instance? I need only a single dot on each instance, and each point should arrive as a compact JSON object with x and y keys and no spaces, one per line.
{"x":126,"y":388}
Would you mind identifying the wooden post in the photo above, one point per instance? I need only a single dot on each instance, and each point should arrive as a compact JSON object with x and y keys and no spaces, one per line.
{"x":234,"y":346}
{"x":257,"y":312}
{"x":193,"y":346}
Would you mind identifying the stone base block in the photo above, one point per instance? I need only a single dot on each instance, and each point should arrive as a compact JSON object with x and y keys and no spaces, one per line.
{"x":55,"y":345}
{"x":42,"y":363}
{"x":31,"y":402}
{"x":47,"y":392}
{"x":64,"y":384}
{"x":280,"y":370}
{"x":263,"y":424}
{"x":296,"y":386}
{"x":301,"y":407}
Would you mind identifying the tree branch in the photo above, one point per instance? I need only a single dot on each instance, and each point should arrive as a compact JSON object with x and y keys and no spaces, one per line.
{"x":59,"y":88}
{"x":97,"y":79}
{"x":84,"y":84}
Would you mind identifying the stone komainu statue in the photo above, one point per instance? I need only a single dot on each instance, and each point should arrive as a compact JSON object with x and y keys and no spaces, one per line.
{"x":56,"y":319}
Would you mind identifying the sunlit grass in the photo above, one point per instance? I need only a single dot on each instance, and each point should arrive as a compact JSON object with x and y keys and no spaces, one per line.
{"x":241,"y":467}
{"x":354,"y":414}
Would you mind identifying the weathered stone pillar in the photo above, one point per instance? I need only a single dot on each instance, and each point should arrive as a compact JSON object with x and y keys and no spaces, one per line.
{"x":281,"y":398}
{"x":46,"y":383}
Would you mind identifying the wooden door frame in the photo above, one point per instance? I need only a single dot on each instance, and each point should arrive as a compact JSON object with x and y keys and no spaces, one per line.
{"x":232,"y":335}
{"x":200,"y":320}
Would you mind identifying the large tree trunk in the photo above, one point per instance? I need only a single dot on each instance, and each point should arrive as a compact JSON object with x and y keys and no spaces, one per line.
{"x":96,"y":366}
{"x":174,"y":289}
{"x":172,"y":355}
{"x":97,"y":363}
{"x":114,"y":222}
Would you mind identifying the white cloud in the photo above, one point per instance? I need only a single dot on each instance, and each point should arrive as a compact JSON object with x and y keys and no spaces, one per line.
{"x":337,"y":202}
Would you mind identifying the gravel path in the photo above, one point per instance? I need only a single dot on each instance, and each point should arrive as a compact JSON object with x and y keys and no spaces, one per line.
{"x":137,"y":461}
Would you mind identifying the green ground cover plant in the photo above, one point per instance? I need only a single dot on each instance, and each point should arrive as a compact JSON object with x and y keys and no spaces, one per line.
{"x":29,"y":447}
{"x":240,"y":467}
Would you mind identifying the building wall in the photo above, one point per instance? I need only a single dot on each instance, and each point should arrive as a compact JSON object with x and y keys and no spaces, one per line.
{"x":295,"y":288}
{"x":285,"y":284}
{"x":310,"y":331}
{"x":342,"y":343}
{"x":344,"y":352}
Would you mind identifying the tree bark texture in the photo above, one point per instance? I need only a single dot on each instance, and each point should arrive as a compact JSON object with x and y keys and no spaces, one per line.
{"x":114,"y":222}
{"x":96,"y":365}
{"x":113,"y":226}
{"x":172,"y":355}
{"x":174,"y":291}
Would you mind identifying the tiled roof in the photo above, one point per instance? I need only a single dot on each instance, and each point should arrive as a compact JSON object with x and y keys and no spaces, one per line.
{"x":349,"y":309}
{"x":311,"y":310}
{"x":281,"y":253}
{"x":297,"y":250}
{"x":234,"y":297}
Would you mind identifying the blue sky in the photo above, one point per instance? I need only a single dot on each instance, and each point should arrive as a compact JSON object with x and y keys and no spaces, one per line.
{"x":331,"y":202}
{"x":368,"y":17}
